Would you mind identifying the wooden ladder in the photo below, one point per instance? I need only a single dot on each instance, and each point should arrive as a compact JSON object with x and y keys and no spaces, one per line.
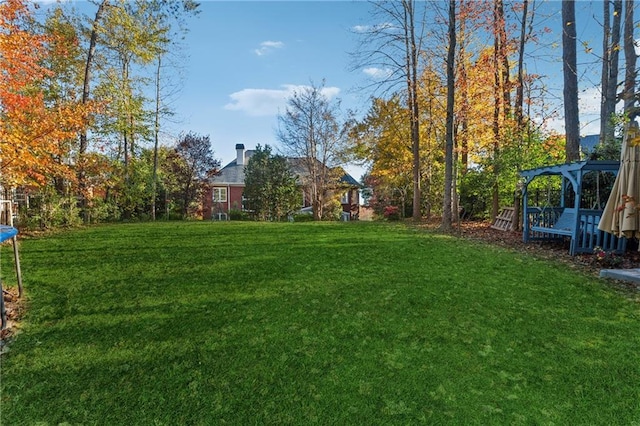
{"x":504,"y":219}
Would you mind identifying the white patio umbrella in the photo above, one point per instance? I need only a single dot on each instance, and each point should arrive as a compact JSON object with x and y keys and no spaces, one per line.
{"x":621,"y":216}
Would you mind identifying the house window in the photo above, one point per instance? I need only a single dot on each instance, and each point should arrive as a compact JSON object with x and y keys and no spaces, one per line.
{"x":345,"y":198}
{"x":219,"y":195}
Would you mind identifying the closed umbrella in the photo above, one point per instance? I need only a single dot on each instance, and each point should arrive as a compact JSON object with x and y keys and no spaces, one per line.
{"x":621,"y":216}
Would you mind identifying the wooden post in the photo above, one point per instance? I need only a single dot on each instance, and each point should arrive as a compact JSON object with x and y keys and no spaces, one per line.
{"x":515,"y":223}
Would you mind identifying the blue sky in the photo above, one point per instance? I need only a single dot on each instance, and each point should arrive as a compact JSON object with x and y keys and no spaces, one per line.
{"x":246,"y":58}
{"x":242,"y":59}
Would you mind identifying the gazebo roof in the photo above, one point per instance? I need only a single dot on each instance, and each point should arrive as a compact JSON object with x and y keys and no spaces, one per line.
{"x":571,"y":168}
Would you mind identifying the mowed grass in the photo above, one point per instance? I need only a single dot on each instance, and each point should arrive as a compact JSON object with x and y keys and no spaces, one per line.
{"x":312,"y":323}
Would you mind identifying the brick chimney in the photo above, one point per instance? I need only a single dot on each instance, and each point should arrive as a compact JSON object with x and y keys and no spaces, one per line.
{"x":240,"y":154}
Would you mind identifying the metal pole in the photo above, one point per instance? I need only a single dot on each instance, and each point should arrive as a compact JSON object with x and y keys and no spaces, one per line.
{"x":16,"y":255}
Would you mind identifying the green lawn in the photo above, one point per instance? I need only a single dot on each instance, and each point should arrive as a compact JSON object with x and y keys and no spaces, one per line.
{"x":312,"y":323}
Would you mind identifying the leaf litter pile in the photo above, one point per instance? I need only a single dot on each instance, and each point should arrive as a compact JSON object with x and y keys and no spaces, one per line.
{"x":14,"y":308}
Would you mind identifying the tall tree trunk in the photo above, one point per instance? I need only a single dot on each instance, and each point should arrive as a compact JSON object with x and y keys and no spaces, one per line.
{"x":86,"y":87}
{"x":609,"y":80}
{"x":606,"y":67}
{"x":463,"y":145}
{"x":519,"y":115}
{"x":411,"y":57}
{"x":125,"y":127}
{"x":504,"y":59}
{"x":519,"y":110}
{"x":156,"y":132}
{"x":495,"y":190}
{"x":570,"y":92}
{"x":498,"y":100}
{"x":448,"y":157}
{"x":630,"y":60}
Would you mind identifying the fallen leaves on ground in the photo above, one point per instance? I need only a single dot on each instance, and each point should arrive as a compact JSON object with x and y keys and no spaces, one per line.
{"x":14,"y":309}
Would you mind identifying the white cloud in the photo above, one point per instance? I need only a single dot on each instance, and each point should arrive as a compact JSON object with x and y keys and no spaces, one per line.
{"x":264,"y":102}
{"x":257,"y":102}
{"x":377,"y":73}
{"x":329,"y":92}
{"x":267,"y":47}
{"x":361,"y":28}
{"x":372,"y":28}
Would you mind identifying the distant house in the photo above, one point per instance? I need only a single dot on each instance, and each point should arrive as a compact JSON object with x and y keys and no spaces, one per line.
{"x":588,"y":143}
{"x":226,"y":189}
{"x":225,"y":192}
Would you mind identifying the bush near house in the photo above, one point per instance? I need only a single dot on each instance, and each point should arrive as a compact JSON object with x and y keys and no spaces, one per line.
{"x":237,"y":214}
{"x":391,"y":213}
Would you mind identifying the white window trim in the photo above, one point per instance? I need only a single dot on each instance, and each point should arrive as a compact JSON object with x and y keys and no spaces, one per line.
{"x":345,"y":198}
{"x":218,"y":191}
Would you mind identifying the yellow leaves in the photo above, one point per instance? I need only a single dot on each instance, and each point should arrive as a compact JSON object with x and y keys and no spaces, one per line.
{"x":633,"y":134}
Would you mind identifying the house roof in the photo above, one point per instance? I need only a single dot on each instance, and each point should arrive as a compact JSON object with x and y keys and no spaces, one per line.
{"x":347,"y":179}
{"x":233,"y":174}
{"x":297,"y":166}
{"x":589,"y":142}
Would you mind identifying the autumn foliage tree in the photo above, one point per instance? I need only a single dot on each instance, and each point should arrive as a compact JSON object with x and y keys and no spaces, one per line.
{"x":395,"y":45}
{"x":73,"y":97}
{"x":494,"y":130}
{"x":193,"y":161}
{"x":63,"y":60}
{"x":35,"y":124}
{"x":383,"y":138}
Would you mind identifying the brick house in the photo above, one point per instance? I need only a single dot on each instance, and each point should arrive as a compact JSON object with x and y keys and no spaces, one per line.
{"x":225,"y":190}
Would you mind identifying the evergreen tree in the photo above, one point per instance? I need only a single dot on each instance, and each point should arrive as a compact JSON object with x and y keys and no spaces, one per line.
{"x":271,"y":189}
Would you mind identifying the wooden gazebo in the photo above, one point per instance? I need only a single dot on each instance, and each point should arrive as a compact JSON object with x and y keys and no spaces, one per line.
{"x":569,"y":219}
